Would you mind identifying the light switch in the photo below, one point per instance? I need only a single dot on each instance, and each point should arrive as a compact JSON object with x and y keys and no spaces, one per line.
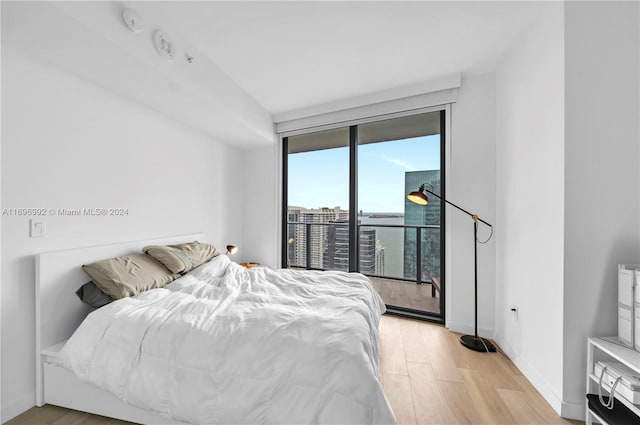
{"x":37,"y":228}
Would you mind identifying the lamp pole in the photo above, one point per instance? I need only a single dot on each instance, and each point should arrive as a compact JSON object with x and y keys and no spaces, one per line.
{"x":473,"y":342}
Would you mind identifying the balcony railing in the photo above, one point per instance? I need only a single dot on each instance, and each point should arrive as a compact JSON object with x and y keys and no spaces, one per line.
{"x":325,"y":246}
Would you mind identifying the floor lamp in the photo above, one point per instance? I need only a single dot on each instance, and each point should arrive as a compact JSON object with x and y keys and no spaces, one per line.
{"x":473,"y":342}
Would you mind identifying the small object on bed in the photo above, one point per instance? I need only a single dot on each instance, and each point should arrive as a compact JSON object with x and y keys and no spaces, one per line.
{"x":182,"y":258}
{"x":126,"y":276}
{"x":89,"y":293}
{"x":250,"y":265}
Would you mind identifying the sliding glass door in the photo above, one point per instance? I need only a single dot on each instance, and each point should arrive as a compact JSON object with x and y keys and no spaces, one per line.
{"x":317,"y":228}
{"x":346,"y":208}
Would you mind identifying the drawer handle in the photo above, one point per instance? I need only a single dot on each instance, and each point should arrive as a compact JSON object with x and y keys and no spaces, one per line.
{"x":608,"y":404}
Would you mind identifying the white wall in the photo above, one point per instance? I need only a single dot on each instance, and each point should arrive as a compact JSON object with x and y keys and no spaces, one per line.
{"x":472,"y":172}
{"x":261,"y":217}
{"x":1,"y":206}
{"x":530,"y":220}
{"x":568,"y":189}
{"x":70,"y":144}
{"x":601,"y":173}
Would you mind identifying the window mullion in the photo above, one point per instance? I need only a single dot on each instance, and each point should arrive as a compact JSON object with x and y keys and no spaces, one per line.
{"x":354,"y":263}
{"x":284,"y":253}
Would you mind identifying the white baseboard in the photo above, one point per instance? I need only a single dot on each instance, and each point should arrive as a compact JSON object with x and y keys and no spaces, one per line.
{"x":505,"y":347}
{"x":566,"y":410}
{"x":468,"y":329}
{"x":17,"y":407}
{"x":575,"y":411}
{"x":562,"y":408}
{"x":545,"y":390}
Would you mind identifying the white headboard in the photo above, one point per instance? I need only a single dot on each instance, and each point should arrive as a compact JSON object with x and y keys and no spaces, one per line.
{"x":59,"y":274}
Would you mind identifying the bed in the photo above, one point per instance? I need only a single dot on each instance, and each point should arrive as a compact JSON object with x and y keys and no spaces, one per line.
{"x":221,"y":344}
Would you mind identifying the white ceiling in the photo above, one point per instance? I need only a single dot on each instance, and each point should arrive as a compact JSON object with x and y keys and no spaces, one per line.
{"x":292,"y":55}
{"x":257,"y":60}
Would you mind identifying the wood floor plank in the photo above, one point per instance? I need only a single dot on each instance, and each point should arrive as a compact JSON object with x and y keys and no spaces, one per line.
{"x":463,"y":359}
{"x":490,"y":408}
{"x":459,"y":406}
{"x":37,"y":415}
{"x":392,"y":351}
{"x":54,"y":415}
{"x":415,"y":350}
{"x":400,"y":398}
{"x":522,"y":411}
{"x":73,"y":417}
{"x":427,"y":399}
{"x":442,"y":354}
{"x":501,"y":376}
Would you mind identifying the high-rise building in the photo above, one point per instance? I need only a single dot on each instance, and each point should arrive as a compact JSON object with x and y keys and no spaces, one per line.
{"x":367,"y":250}
{"x":328,"y":230}
{"x":389,"y":242}
{"x":379,"y":268}
{"x":336,"y":250}
{"x":312,"y":227}
{"x":415,"y":214}
{"x":336,"y":254}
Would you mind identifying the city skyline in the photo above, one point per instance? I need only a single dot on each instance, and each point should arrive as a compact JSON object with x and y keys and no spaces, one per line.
{"x":323,"y":235}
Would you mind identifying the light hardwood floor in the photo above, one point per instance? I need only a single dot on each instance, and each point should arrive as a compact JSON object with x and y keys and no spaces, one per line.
{"x":428,"y":377}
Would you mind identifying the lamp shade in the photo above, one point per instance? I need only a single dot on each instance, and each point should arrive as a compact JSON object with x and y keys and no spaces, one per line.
{"x":418,"y":197}
{"x":232,"y":249}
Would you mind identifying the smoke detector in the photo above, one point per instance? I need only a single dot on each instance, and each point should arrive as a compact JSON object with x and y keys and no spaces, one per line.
{"x":132,"y":20}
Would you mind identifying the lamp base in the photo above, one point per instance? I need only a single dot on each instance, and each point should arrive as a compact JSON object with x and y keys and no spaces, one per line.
{"x":477,"y":344}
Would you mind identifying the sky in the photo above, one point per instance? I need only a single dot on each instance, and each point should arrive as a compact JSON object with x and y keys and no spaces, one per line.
{"x":321,"y":178}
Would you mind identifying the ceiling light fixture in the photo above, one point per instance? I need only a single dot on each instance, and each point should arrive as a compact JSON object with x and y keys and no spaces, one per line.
{"x":163,"y":45}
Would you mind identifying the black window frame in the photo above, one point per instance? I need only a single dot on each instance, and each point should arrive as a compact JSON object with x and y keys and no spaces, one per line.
{"x":353,"y":217}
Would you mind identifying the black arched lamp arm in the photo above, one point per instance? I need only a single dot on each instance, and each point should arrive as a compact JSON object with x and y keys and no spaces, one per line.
{"x":423,"y":189}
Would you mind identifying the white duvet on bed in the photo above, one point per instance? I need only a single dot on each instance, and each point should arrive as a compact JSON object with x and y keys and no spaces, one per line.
{"x":224,"y":344}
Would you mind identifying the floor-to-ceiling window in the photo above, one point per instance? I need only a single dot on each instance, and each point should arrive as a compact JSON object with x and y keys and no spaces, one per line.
{"x":346,"y":209}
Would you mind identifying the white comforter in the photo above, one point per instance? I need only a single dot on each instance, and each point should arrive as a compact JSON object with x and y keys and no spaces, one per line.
{"x":224,"y":344}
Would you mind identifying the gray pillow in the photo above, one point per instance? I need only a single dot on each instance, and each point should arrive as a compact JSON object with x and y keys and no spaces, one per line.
{"x":126,"y":276}
{"x":89,"y":293}
{"x":184,"y":257}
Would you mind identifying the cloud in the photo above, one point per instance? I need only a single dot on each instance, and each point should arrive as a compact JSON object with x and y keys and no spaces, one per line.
{"x":400,"y":163}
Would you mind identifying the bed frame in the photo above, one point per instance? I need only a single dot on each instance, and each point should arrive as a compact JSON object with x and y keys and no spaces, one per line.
{"x":59,"y":312}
